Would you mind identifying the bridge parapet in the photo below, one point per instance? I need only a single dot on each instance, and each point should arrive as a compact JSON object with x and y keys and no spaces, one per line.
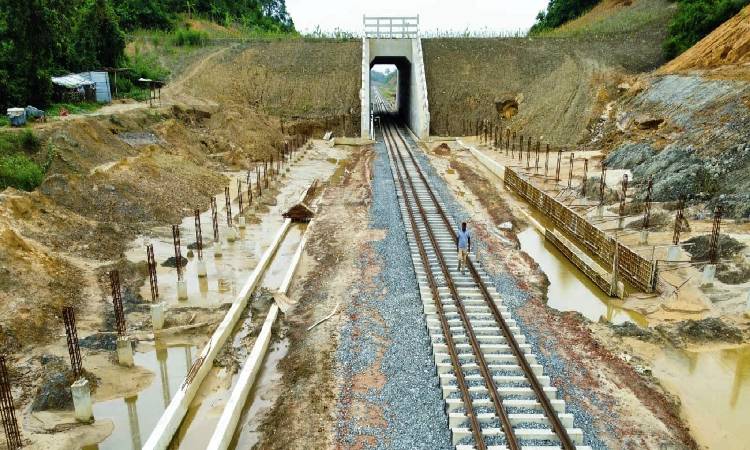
{"x":391,"y":27}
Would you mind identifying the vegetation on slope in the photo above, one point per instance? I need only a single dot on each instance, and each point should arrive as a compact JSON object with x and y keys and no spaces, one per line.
{"x":43,"y":38}
{"x":692,"y":20}
{"x":696,"y":19}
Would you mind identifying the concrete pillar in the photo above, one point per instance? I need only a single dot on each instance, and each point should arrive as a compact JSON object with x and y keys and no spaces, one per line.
{"x":673,"y":253}
{"x":182,"y":290}
{"x":600,"y":211}
{"x":124,"y":351}
{"x":709,"y":274}
{"x":231,"y":235}
{"x":747,"y":304}
{"x":242,"y":222}
{"x":202,"y":272}
{"x":218,"y":250}
{"x":82,"y":400}
{"x":158,"y":315}
{"x":644,"y":237}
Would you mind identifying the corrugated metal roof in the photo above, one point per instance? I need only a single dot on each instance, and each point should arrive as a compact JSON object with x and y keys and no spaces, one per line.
{"x":73,"y":80}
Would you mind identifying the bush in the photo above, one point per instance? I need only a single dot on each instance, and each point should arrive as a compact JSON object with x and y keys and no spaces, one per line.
{"x":695,"y":19}
{"x":29,"y":141}
{"x":189,"y":38}
{"x":20,"y":172}
{"x":561,"y":11}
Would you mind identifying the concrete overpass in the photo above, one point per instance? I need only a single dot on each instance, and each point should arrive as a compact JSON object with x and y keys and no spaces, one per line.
{"x":395,"y":40}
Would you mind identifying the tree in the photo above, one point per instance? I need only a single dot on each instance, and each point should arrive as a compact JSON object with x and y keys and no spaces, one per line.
{"x":26,"y":43}
{"x":99,"y":41}
{"x":561,"y":11}
{"x":695,"y":19}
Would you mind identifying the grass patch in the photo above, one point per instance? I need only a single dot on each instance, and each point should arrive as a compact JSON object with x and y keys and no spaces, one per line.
{"x":73,"y":108}
{"x":191,"y":38}
{"x":20,"y":172}
{"x":4,"y":121}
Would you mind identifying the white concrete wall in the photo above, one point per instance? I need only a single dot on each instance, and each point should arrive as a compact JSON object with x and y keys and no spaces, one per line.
{"x":411,"y":49}
{"x":364,"y":92}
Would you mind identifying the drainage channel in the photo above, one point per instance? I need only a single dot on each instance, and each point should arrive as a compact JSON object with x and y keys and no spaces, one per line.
{"x":495,"y":392}
{"x":135,"y":415}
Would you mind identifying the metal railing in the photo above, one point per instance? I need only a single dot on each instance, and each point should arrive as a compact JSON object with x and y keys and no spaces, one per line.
{"x":391,"y":27}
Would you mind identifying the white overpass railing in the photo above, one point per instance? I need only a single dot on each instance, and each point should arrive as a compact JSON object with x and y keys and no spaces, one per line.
{"x":391,"y":27}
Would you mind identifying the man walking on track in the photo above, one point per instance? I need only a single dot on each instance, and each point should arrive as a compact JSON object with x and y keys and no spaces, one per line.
{"x":463,"y":247}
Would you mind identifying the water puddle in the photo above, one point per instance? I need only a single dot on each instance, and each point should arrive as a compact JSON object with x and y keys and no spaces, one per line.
{"x":261,"y":399}
{"x":569,"y":288}
{"x":136,"y":416}
{"x":714,"y":389}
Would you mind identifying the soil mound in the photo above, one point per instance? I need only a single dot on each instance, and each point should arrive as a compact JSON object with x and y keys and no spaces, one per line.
{"x":172,"y":262}
{"x":705,"y":330}
{"x":442,"y":150}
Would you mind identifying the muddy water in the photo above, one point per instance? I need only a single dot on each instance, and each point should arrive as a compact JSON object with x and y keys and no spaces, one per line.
{"x":134,"y":417}
{"x":714,"y":389}
{"x":262,"y":397}
{"x":569,"y":288}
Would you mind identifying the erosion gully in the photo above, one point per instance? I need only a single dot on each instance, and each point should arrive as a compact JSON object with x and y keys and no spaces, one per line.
{"x":134,"y":416}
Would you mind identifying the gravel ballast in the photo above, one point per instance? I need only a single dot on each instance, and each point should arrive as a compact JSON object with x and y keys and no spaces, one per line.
{"x":388,"y":319}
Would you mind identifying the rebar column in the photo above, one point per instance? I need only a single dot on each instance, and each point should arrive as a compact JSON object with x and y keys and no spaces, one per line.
{"x":198,"y":235}
{"x":228,"y":202}
{"x":71,"y":334}
{"x":570,"y":171}
{"x":585,"y":177}
{"x":8,"y":410}
{"x":559,"y":161}
{"x":713,"y":244}
{"x":177,"y":251}
{"x":647,"y":204}
{"x":151,"y":260}
{"x":678,"y":223}
{"x":114,"y":280}
{"x":536,"y":163}
{"x":623,"y":194}
{"x":602,"y":184}
{"x":546,"y":161}
{"x":239,"y":197}
{"x":520,"y":149}
{"x":215,"y":218}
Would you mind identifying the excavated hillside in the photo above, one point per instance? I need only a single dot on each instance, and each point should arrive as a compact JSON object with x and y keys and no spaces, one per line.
{"x":561,"y":80}
{"x":727,"y":50}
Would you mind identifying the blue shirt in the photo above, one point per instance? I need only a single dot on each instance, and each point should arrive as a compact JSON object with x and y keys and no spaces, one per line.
{"x":463,"y":239}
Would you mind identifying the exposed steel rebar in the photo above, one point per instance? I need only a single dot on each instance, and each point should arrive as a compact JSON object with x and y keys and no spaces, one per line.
{"x":678,"y":218}
{"x":713,"y":244}
{"x":623,"y":194}
{"x":228,"y":203}
{"x":240,"y":206}
{"x":177,"y":251}
{"x":546,"y":161}
{"x":198,"y":235}
{"x":153,"y":282}
{"x":559,"y":161}
{"x":570,"y":171}
{"x":8,"y":410}
{"x":647,"y":203}
{"x":215,"y":218}
{"x":602,"y":184}
{"x":114,"y":280}
{"x":71,"y":334}
{"x":585,"y":177}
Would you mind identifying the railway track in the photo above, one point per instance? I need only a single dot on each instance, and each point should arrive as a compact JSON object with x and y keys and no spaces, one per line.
{"x":496,"y":395}
{"x":380,"y":104}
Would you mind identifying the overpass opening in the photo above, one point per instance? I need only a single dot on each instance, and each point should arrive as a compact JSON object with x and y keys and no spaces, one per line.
{"x":394,"y":41}
{"x":392,"y":95}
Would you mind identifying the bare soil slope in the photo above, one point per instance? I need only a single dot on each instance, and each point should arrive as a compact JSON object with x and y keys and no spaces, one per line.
{"x":728,"y":45}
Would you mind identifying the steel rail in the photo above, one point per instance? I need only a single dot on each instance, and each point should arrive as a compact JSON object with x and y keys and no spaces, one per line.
{"x":484,"y":369}
{"x":555,"y":423}
{"x":450,"y":344}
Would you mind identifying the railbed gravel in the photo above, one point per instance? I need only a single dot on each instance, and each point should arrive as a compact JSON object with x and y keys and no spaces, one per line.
{"x":411,"y":399}
{"x":514,"y":297}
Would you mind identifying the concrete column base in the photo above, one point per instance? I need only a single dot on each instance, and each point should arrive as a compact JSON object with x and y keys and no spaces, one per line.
{"x":231,"y":235}
{"x":242,"y":222}
{"x":747,"y":305}
{"x":218,"y":250}
{"x":202,"y":272}
{"x":158,"y":314}
{"x":709,"y":274}
{"x":600,"y":211}
{"x":644,"y":237}
{"x":124,"y":352}
{"x":82,"y":400}
{"x":182,"y":290}
{"x":673,"y":253}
